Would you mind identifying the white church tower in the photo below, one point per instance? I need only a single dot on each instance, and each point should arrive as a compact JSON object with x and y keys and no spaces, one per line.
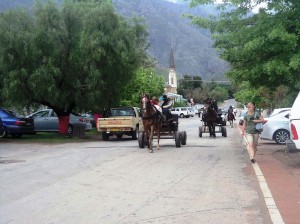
{"x":172,"y":74}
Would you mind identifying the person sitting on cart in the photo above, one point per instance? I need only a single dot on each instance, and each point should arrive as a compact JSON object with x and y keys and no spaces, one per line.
{"x":166,"y":105}
{"x":154,"y":103}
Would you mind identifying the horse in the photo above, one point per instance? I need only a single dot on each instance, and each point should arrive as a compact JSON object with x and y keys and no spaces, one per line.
{"x":209,"y":117}
{"x":152,"y":121}
{"x":230,"y":117}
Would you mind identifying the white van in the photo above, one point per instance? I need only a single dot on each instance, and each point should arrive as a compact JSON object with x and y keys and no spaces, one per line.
{"x":295,"y":125}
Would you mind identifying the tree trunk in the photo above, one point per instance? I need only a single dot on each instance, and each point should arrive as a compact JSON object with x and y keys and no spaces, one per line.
{"x":63,"y":124}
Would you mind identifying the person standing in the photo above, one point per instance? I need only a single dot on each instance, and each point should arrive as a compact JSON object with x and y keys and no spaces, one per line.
{"x":248,"y":129}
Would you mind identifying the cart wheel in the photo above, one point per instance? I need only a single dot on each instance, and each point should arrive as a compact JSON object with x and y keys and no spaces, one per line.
{"x":177,"y":139}
{"x":224,"y":132}
{"x":183,"y":138}
{"x":200,"y":131}
{"x":141,"y":140}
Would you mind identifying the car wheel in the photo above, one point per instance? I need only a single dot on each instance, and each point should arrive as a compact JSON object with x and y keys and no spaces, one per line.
{"x":105,"y":137}
{"x":3,"y":132}
{"x":135,"y":133}
{"x":181,"y":115}
{"x":280,"y":136}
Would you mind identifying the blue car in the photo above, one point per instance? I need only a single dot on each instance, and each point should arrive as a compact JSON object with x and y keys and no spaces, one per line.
{"x":1,"y":128}
{"x":15,"y":125}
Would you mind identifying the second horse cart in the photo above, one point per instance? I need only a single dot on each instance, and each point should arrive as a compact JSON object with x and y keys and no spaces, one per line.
{"x":219,"y":127}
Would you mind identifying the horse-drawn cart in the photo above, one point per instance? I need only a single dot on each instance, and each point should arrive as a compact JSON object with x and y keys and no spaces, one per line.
{"x":217,"y":126}
{"x":169,"y":130}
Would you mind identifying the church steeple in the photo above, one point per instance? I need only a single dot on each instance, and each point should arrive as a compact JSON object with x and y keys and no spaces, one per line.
{"x":172,"y":63}
{"x":172,"y":74}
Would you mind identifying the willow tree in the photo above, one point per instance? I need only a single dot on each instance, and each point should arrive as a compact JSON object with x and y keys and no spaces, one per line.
{"x":147,"y":80}
{"x":78,"y":55}
{"x":262,"y":48}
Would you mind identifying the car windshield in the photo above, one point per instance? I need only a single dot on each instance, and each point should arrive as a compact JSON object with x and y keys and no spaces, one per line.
{"x":122,"y":112}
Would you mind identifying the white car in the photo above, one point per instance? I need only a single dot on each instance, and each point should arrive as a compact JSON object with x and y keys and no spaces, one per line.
{"x":279,"y":110}
{"x":241,"y":116}
{"x":276,"y":127}
{"x":181,"y":111}
{"x":294,"y":142}
{"x":192,"y":111}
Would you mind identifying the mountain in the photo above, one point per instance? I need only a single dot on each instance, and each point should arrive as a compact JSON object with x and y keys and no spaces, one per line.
{"x":192,"y":46}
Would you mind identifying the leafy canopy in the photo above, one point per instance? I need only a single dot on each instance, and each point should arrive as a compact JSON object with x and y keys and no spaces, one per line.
{"x":146,"y":81}
{"x":78,"y":55}
{"x":262,"y":48}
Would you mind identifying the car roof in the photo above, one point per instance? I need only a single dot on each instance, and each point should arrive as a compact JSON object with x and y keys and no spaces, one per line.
{"x":280,"y":114}
{"x":279,"y":110}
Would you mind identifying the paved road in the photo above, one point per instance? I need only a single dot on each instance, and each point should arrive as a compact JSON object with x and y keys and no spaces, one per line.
{"x":115,"y":182}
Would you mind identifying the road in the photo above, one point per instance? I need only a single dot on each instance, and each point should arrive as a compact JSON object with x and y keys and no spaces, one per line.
{"x":115,"y":182}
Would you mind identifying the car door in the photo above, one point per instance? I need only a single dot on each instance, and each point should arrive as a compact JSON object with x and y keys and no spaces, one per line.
{"x":45,"y":120}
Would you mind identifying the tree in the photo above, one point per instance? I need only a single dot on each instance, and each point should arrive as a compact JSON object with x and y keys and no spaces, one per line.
{"x":146,"y":81}
{"x":262,"y":48}
{"x":79,"y":55}
{"x":190,"y":86}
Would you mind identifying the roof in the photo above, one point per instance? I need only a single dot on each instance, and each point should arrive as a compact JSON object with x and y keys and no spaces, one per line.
{"x":172,"y":63}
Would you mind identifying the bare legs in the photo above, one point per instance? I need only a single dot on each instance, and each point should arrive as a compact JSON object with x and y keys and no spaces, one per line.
{"x":252,"y":140}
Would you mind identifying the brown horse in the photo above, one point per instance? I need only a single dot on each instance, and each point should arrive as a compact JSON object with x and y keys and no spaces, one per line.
{"x":152,"y":121}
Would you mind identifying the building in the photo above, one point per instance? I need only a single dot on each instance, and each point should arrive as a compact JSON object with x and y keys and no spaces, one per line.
{"x":171,"y":86}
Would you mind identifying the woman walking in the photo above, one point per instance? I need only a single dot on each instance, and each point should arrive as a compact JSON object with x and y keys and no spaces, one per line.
{"x":248,"y":130}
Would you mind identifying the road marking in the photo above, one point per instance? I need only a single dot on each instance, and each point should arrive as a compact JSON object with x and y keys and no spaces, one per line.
{"x":270,"y":203}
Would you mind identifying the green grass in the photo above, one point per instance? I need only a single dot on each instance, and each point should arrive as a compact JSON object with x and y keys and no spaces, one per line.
{"x":53,"y":137}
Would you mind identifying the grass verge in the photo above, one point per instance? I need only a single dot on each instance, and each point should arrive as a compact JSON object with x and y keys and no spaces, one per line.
{"x":53,"y":137}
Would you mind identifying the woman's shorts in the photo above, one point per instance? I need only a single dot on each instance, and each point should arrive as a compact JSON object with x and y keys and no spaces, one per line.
{"x":252,"y":138}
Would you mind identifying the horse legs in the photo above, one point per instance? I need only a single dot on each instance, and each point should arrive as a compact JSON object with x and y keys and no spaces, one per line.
{"x":210,"y":130}
{"x":148,"y":138}
{"x":214,"y":129}
{"x":151,"y":139}
{"x":158,"y":136}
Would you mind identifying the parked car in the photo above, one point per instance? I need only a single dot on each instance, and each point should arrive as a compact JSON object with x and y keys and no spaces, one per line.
{"x":192,"y":111}
{"x":47,"y":121}
{"x":14,"y":125}
{"x":241,"y":116}
{"x":294,"y":142}
{"x":277,"y":128}
{"x":91,"y":118}
{"x":1,"y":128}
{"x":195,"y":110}
{"x":279,"y":110}
{"x":181,"y":111}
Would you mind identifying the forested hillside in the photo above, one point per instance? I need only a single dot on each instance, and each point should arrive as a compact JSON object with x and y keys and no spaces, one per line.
{"x":192,"y":46}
